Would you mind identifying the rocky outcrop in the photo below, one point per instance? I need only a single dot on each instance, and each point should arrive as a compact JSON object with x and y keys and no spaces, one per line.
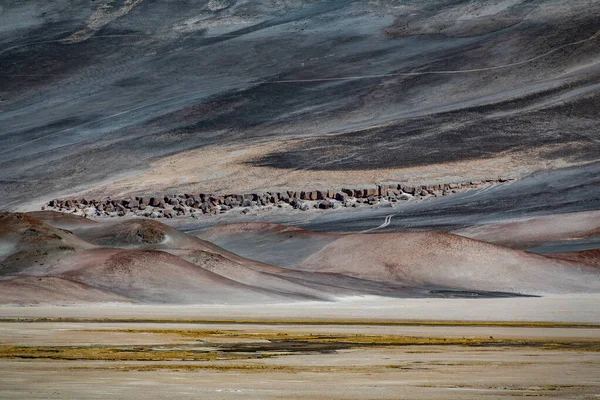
{"x":198,"y":204}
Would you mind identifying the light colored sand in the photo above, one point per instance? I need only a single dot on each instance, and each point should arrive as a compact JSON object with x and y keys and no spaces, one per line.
{"x":379,"y":374}
{"x":412,"y":372}
{"x":225,"y":169}
{"x":566,"y":308}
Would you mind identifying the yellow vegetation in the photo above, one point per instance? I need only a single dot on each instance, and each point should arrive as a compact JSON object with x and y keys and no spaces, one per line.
{"x":360,"y":340}
{"x":109,"y":354}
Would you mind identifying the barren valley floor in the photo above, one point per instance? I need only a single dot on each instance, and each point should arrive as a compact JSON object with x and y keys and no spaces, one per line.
{"x":283,"y":360}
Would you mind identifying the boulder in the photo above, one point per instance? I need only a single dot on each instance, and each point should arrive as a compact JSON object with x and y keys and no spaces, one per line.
{"x":382,"y":190}
{"x":372,"y":200}
{"x":341,"y":196}
{"x":325,"y":204}
{"x":215,"y":200}
{"x":371,"y":192}
{"x":300,"y":205}
{"x":284,"y":196}
{"x":206,"y":207}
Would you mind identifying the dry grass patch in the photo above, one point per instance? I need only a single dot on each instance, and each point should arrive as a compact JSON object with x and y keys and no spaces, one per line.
{"x":110,"y":354}
{"x":360,"y":340}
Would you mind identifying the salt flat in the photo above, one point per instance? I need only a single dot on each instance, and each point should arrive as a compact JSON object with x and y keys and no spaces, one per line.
{"x":568,"y":308}
{"x":81,"y":360}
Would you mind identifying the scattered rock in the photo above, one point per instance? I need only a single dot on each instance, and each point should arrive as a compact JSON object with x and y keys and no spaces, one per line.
{"x":341,"y":196}
{"x":325,"y":204}
{"x":196,"y":204}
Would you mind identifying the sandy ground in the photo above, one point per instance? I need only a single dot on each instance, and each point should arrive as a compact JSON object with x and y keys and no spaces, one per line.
{"x":228,"y":169}
{"x":411,"y":372}
{"x":451,"y":374}
{"x":567,"y":308}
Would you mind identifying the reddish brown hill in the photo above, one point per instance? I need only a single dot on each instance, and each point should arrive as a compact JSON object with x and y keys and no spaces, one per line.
{"x":437,"y":259}
{"x":587,"y":257}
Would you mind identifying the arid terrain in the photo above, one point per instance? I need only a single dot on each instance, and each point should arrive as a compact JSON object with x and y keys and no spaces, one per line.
{"x":134,"y":97}
{"x":136,"y":260}
{"x":326,"y":360}
{"x":300,"y":199}
{"x":137,"y":309}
